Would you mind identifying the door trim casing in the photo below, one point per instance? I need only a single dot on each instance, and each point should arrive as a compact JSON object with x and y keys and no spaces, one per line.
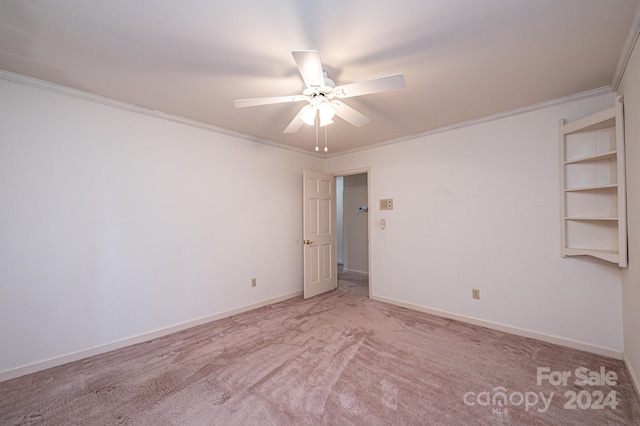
{"x":364,"y":170}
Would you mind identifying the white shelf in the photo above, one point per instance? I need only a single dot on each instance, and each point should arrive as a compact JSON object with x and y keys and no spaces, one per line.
{"x":608,"y":255}
{"x":592,"y":188}
{"x":592,"y":218}
{"x":604,"y":156}
{"x":599,"y":120}
{"x":592,"y":182}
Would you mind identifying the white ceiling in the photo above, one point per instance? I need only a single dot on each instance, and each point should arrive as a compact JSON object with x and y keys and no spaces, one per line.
{"x":462,"y":59}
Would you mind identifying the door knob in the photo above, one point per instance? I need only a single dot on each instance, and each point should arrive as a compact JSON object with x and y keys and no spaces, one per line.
{"x":308,"y":241}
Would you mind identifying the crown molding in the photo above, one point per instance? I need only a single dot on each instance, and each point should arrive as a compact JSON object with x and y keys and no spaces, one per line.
{"x":509,"y":113}
{"x":113,"y":103}
{"x":103,"y":100}
{"x":627,"y":50}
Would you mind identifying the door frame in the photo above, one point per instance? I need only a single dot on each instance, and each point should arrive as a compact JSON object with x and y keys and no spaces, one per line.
{"x":358,"y":171}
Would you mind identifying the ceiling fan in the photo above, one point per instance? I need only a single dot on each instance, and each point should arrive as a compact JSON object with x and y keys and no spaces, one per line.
{"x":323,"y":95}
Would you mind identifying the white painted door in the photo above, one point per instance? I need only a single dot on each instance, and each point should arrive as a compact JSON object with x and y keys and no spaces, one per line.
{"x":320,"y":263}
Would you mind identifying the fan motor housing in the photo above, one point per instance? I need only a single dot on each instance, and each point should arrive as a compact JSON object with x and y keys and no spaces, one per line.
{"x":325,"y":89}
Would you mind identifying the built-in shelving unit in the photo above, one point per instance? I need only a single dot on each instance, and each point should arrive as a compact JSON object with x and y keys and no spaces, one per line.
{"x":592,"y":180}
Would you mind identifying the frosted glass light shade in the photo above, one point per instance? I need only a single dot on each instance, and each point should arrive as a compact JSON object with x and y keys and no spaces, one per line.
{"x":309,"y":115}
{"x":326,"y":112}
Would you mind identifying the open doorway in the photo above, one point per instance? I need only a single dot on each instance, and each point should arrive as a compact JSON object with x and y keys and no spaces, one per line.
{"x":352,"y":208}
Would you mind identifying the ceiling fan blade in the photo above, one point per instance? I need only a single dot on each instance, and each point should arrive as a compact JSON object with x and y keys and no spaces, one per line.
{"x":366,"y":87}
{"x":296,"y":123}
{"x":349,"y":114}
{"x":243,"y":103}
{"x":308,"y":62}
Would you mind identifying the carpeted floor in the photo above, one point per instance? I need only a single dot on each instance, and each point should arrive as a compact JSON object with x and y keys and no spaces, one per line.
{"x":336,"y":359}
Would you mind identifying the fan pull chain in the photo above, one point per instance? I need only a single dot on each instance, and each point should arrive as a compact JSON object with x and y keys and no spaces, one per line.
{"x":317,"y":124}
{"x":326,"y":149}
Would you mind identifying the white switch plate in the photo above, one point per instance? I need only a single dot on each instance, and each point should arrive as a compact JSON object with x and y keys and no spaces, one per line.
{"x":386,"y":204}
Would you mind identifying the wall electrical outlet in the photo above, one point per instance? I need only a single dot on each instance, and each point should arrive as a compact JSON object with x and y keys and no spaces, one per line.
{"x":253,"y":282}
{"x":475,"y":293}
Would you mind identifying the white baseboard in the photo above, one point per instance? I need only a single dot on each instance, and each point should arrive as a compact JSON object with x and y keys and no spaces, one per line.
{"x":635,"y":379}
{"x":587,"y":347}
{"x":356,"y":272}
{"x":97,"y":350}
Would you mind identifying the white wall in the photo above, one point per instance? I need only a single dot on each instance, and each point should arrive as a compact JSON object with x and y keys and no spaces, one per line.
{"x":114,"y":224}
{"x":356,"y":252}
{"x":630,"y":88}
{"x":478,"y":207}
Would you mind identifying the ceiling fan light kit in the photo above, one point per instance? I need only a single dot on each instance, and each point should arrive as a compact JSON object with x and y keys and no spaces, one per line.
{"x":319,"y":91}
{"x":324,"y":111}
{"x":308,"y":114}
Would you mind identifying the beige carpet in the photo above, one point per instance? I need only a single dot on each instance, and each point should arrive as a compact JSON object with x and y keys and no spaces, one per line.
{"x":336,"y":359}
